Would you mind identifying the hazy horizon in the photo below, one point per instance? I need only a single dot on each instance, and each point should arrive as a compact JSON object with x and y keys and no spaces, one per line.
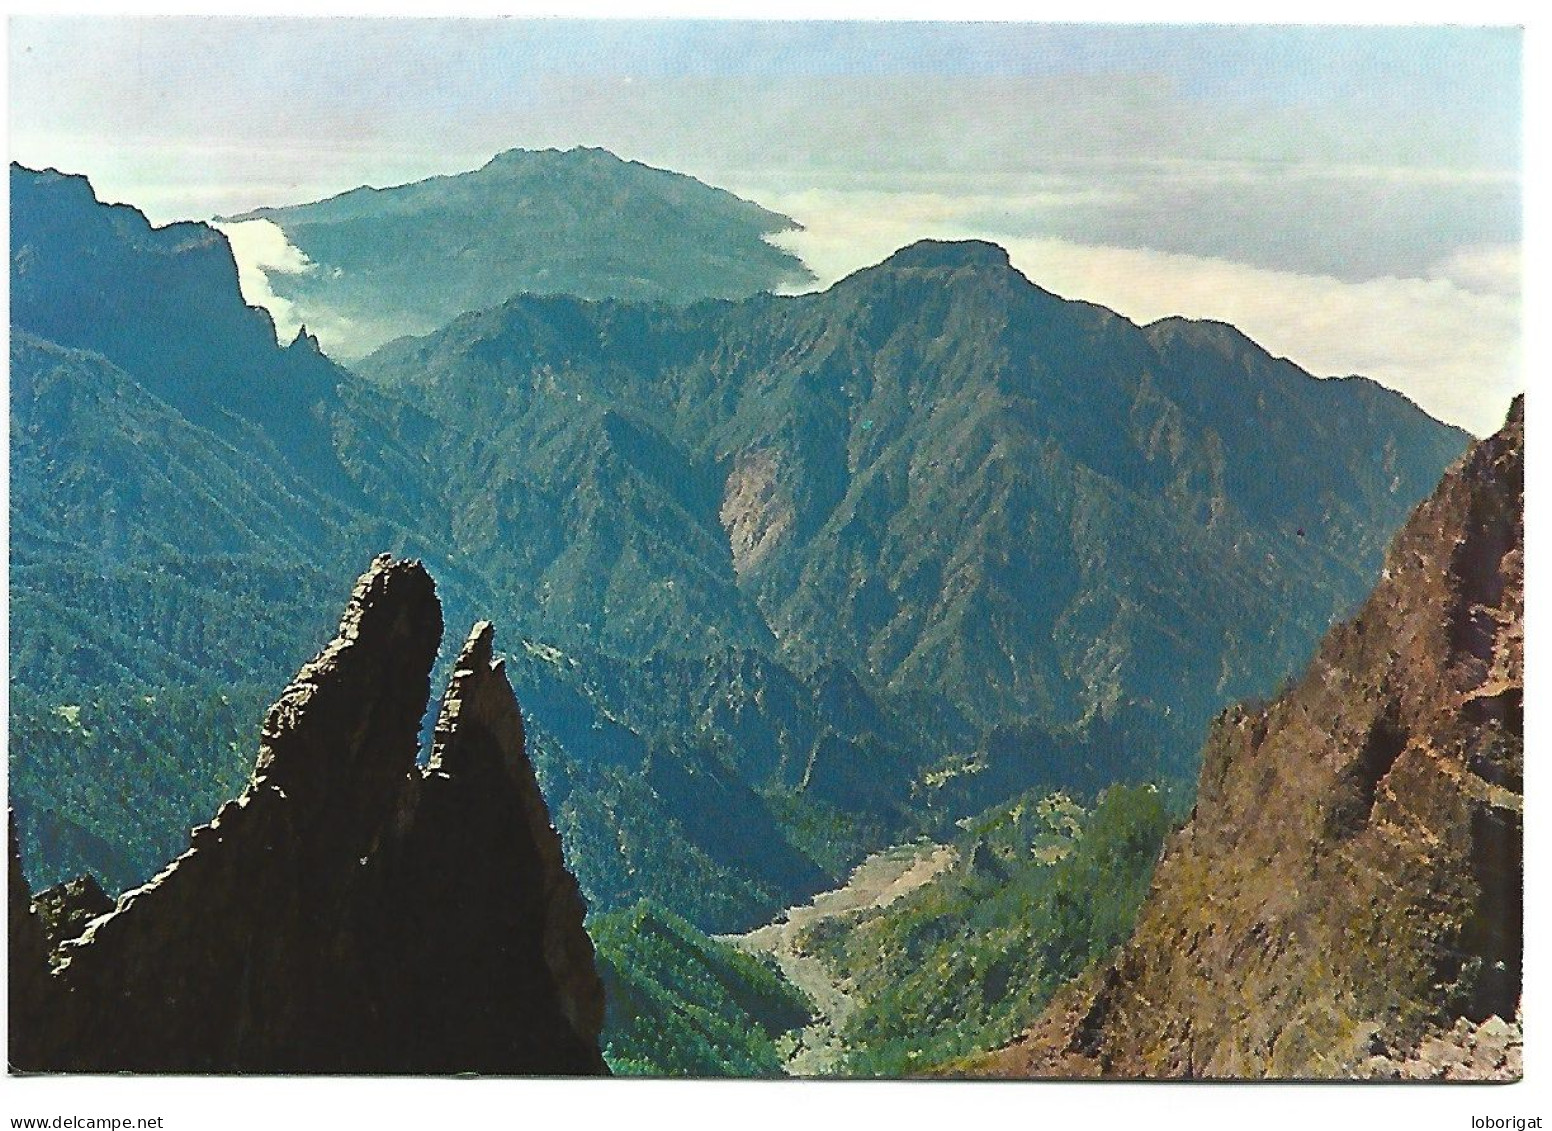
{"x":1349,"y":197}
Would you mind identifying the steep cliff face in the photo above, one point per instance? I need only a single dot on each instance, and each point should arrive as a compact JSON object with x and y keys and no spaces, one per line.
{"x":163,"y":305}
{"x":1346,"y":899}
{"x":350,"y":912}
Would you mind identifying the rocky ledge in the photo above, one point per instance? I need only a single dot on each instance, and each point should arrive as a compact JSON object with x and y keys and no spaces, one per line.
{"x":351,"y":912}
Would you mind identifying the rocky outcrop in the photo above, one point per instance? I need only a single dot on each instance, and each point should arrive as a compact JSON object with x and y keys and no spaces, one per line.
{"x":65,"y":909}
{"x":754,"y":512}
{"x":1346,"y":899}
{"x":351,"y":912}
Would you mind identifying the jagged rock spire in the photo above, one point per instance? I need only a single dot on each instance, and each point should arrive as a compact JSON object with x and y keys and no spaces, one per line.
{"x":306,"y":341}
{"x":349,"y":912}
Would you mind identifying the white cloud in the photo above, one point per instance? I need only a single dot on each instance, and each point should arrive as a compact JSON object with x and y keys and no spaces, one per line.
{"x":260,"y":247}
{"x":1451,"y":342}
{"x":1494,"y":269}
{"x":262,"y":252}
{"x":1454,"y":351}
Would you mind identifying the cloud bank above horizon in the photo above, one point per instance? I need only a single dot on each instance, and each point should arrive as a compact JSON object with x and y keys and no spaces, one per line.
{"x":1348,"y":197}
{"x":1448,"y":338}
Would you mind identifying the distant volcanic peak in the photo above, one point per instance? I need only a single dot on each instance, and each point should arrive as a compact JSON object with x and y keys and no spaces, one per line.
{"x":1204,"y":333}
{"x":1181,"y":324}
{"x":952,"y":255}
{"x":574,"y":153}
{"x":579,"y":159}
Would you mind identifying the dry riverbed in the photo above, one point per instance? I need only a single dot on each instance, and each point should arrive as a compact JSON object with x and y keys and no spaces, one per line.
{"x":877,"y":882}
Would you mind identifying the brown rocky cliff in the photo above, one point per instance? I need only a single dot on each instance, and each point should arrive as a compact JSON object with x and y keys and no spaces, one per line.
{"x":350,"y":912}
{"x":1346,"y":899}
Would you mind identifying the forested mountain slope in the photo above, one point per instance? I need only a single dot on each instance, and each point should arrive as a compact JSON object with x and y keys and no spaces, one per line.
{"x":786,"y":579}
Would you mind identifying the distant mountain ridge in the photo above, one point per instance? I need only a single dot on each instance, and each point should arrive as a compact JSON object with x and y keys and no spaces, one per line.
{"x":851,"y":565}
{"x":100,"y":278}
{"x":1009,"y":506}
{"x":406,"y":259}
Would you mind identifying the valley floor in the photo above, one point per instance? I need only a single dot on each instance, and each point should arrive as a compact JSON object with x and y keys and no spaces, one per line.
{"x":877,"y":882}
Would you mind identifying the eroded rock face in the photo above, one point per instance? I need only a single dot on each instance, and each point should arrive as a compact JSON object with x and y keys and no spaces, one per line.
{"x":754,"y":511}
{"x":350,"y":912}
{"x":1346,"y":900}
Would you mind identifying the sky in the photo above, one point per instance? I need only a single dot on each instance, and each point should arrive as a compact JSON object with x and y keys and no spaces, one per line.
{"x":1349,"y":197}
